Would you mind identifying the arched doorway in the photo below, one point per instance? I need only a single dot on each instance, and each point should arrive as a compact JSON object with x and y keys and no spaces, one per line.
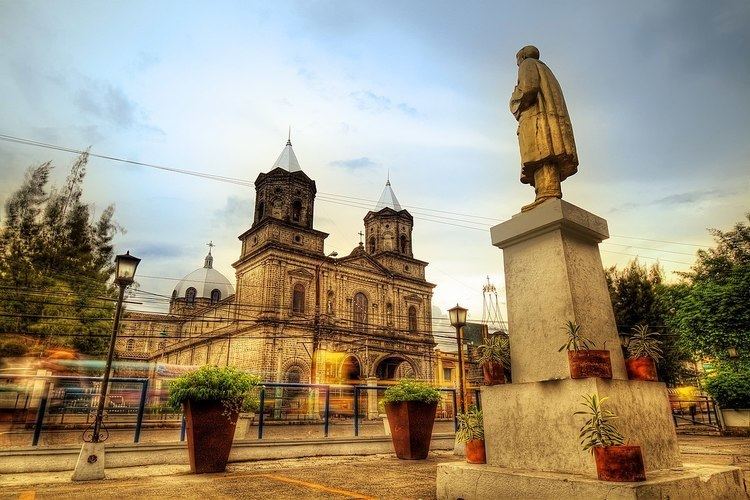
{"x":394,"y":368}
{"x":350,"y":372}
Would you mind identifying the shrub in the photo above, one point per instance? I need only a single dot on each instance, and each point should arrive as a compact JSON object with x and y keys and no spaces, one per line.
{"x":730,"y":385}
{"x":496,"y":350}
{"x":13,"y":348}
{"x":411,"y":390}
{"x":231,"y":386}
{"x":576,"y":342}
{"x":470,"y":425}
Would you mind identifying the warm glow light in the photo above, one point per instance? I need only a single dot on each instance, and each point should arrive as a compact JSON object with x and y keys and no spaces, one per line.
{"x":125,"y":266}
{"x":457,"y":316}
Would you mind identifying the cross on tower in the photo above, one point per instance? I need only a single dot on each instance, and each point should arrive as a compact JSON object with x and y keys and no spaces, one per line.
{"x":210,"y":245}
{"x":361,"y":235}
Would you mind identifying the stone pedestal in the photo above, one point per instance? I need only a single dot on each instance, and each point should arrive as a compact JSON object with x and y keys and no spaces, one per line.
{"x":554,"y":274}
{"x":90,"y":464}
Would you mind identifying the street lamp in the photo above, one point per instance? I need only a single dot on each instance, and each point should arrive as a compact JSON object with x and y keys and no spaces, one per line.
{"x":91,"y":460}
{"x":458,"y":320}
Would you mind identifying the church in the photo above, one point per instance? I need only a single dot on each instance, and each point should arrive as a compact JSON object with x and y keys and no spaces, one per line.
{"x":297,"y":314}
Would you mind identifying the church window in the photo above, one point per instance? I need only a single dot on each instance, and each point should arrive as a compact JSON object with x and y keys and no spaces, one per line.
{"x":260,"y":211}
{"x":329,"y":302}
{"x":130,"y":345}
{"x":298,"y":299}
{"x":174,"y":294}
{"x":293,"y":375}
{"x":215,"y":296}
{"x":296,"y":211}
{"x":372,"y":244}
{"x":412,"y":319}
{"x":190,"y":295}
{"x":297,"y":238}
{"x":389,"y":313}
{"x":404,"y":244}
{"x":360,"y":312}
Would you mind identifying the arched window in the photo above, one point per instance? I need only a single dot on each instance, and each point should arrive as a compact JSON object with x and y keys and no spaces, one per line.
{"x":298,"y":299}
{"x":412,"y":319}
{"x":130,"y":345}
{"x":404,"y":243}
{"x":174,"y":294}
{"x":371,"y":244}
{"x":260,"y":211}
{"x":215,"y":295}
{"x":190,"y":296}
{"x":296,"y":211}
{"x":360,"y":312}
{"x":389,"y":314}
{"x":330,"y":307}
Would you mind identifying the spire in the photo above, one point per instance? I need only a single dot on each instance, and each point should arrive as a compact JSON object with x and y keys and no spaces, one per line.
{"x":209,"y":262}
{"x":287,"y":159}
{"x":388,"y":198}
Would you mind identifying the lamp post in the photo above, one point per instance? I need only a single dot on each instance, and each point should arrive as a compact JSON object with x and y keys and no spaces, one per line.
{"x":316,"y":326}
{"x":90,"y":464}
{"x":458,"y":320}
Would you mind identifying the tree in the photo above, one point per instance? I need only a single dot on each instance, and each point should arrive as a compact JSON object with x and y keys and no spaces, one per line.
{"x":713,"y":315}
{"x":640,"y":297}
{"x":55,"y":262}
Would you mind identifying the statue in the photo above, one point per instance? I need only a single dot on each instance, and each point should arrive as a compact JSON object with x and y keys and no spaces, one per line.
{"x":545,"y":134}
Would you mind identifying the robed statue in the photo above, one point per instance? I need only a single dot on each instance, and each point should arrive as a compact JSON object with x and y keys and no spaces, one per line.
{"x":545,"y":134}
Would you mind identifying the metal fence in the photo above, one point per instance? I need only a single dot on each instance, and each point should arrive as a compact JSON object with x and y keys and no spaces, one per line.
{"x":63,"y":407}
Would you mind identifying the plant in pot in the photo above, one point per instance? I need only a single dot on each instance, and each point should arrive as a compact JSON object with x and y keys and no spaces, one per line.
{"x":212,"y":399}
{"x":411,"y":406}
{"x":729,"y":385}
{"x":471,"y":433}
{"x":644,"y":350}
{"x":584,"y":361}
{"x":614,"y":460}
{"x":494,"y":356}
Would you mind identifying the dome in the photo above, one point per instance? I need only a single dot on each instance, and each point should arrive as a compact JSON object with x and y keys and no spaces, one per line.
{"x":205,"y":280}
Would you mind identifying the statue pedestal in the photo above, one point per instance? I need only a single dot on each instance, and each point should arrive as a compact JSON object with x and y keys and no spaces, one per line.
{"x":554,"y":274}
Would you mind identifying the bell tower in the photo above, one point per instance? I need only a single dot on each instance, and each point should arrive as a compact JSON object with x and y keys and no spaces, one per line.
{"x":388,"y":228}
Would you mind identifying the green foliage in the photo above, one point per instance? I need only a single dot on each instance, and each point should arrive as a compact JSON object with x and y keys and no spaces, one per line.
{"x":411,"y":390}
{"x":576,"y":341}
{"x":13,"y":348}
{"x":470,"y":425}
{"x":644,"y":343}
{"x":598,"y":429}
{"x":231,"y":386}
{"x":495,"y":350}
{"x":729,"y":385}
{"x":55,"y":263}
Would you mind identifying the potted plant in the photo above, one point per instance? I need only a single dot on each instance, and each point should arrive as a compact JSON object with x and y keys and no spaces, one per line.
{"x":614,"y":460}
{"x":643,"y":352}
{"x":729,"y":385}
{"x":410,"y":406}
{"x":471,"y":434}
{"x":494,"y":356}
{"x":584,"y":361}
{"x":212,"y":398}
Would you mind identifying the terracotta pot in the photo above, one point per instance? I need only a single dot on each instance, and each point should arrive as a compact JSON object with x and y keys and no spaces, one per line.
{"x":209,"y":435}
{"x":619,"y":463}
{"x":475,"y":453}
{"x":493,"y":373}
{"x":589,"y":364}
{"x":642,"y":368}
{"x":411,"y":428}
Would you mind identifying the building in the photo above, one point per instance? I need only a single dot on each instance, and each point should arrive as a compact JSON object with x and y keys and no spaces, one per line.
{"x":298,"y":314}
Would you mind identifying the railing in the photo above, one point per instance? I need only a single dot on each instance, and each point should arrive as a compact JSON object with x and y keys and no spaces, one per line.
{"x":695,"y":412}
{"x":63,"y":406}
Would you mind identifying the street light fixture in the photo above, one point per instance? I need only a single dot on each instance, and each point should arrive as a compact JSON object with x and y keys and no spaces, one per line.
{"x":90,"y":463}
{"x":458,"y":320}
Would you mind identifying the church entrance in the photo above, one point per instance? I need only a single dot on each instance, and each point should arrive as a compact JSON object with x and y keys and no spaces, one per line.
{"x":351,"y":372}
{"x":394,"y":368}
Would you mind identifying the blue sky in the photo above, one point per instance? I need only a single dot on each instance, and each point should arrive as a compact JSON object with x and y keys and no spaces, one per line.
{"x":657,"y":91}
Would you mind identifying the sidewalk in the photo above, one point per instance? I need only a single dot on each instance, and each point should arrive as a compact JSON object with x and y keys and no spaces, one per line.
{"x":374,"y":476}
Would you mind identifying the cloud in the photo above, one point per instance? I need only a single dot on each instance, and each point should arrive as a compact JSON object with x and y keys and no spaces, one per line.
{"x":236,"y":211}
{"x":676,"y":199}
{"x":355,"y":163}
{"x":155,"y":250}
{"x":107,"y":102}
{"x":409,"y":110}
{"x":369,"y":101}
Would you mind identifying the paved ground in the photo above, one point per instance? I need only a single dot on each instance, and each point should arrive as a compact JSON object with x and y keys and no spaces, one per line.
{"x":375,"y":476}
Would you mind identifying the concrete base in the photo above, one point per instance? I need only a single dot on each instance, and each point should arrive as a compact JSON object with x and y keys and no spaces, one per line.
{"x":459,"y":449}
{"x":480,"y":482}
{"x":90,"y":464}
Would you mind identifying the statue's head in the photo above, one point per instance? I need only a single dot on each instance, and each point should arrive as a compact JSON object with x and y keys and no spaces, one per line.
{"x":527,"y":52}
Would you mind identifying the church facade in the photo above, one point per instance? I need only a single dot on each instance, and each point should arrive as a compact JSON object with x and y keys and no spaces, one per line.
{"x":299,"y":314}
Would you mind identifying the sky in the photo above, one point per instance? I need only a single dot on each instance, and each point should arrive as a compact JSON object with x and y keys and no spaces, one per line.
{"x":658,"y":94}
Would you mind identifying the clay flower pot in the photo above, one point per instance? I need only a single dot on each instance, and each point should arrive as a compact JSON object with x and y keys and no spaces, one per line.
{"x":411,"y":428}
{"x":209,"y":435}
{"x":619,"y":463}
{"x":475,"y":453}
{"x":589,"y":364}
{"x":643,"y":368}
{"x":493,"y":373}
